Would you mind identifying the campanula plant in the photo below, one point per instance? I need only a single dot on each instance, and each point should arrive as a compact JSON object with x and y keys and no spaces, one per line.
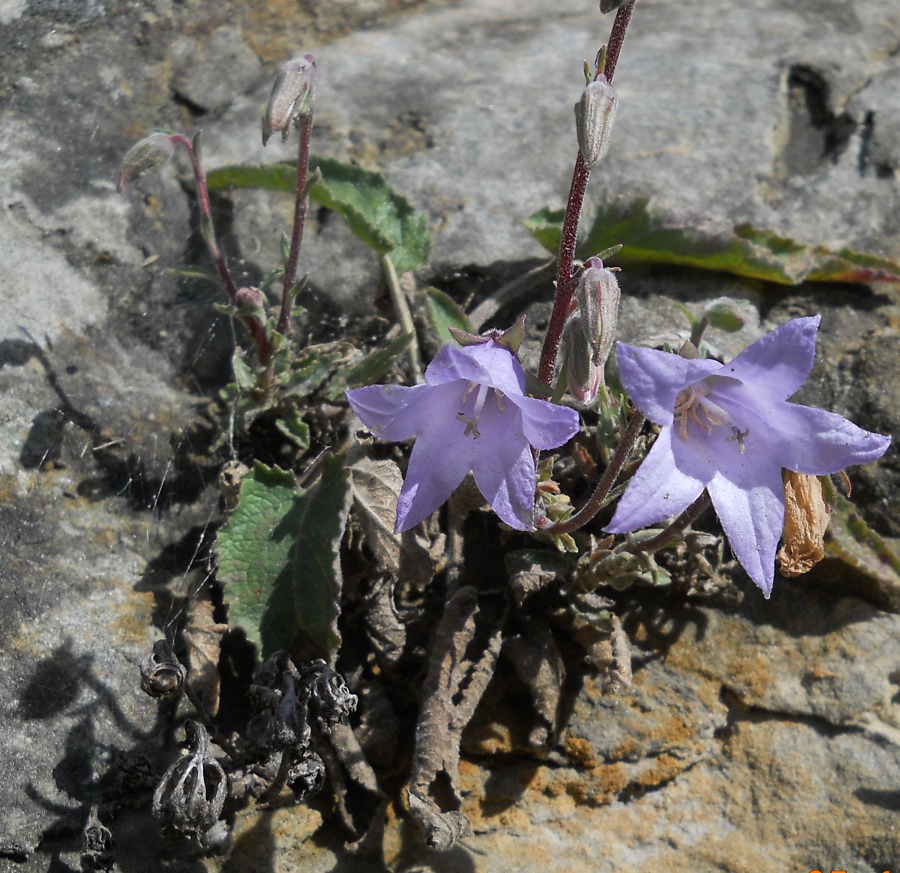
{"x":722,"y":434}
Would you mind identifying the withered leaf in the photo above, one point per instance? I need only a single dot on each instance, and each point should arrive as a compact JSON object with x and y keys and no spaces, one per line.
{"x":376,"y":488}
{"x":203,"y":641}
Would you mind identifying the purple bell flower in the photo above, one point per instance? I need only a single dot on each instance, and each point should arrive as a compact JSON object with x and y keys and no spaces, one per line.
{"x":730,"y":429}
{"x":471,"y":415}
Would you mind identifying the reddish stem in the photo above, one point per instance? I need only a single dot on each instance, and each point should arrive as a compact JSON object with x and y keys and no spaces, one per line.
{"x":263,"y":349}
{"x":676,"y":528}
{"x":606,"y":483}
{"x":566,"y":280}
{"x":301,"y":206}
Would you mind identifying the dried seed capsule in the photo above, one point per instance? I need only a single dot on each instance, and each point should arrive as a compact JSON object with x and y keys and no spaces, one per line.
{"x":99,"y":851}
{"x":162,"y":674}
{"x":191,"y":794}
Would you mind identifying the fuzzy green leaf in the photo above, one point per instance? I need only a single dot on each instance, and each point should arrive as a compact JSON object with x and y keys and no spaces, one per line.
{"x":369,"y":369}
{"x":652,"y":235}
{"x":443,"y":313}
{"x":292,"y":425}
{"x":279,"y":558}
{"x":382,"y":219}
{"x":854,"y":543}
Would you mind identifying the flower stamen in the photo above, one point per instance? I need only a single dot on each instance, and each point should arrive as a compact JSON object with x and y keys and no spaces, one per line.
{"x":686,"y":406}
{"x":471,"y":421}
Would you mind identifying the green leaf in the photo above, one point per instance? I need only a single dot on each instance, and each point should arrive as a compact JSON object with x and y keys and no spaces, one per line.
{"x":854,"y":543}
{"x":545,"y":226}
{"x":652,"y":235}
{"x":279,"y":558}
{"x":382,"y":219}
{"x":443,"y":313}
{"x":302,"y":377}
{"x":290,"y":422}
{"x":369,"y":369}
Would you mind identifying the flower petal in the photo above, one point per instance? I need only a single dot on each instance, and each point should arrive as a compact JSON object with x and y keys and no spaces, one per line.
{"x":505,"y":475}
{"x":752,"y":515}
{"x":394,"y":412}
{"x":816,"y":442}
{"x":653,"y":378}
{"x":485,"y":363}
{"x":658,"y":490}
{"x":777,"y":364}
{"x":546,"y":425}
{"x":440,"y":460}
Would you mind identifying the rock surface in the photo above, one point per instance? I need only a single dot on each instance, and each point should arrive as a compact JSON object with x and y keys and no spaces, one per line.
{"x":763,"y":736}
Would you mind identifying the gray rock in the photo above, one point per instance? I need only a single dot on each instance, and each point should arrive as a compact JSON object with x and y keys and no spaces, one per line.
{"x":760,"y":737}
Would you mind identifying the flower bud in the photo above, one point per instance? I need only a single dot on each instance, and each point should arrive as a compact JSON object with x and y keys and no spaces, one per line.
{"x":598,"y":298}
{"x":723,"y":313}
{"x":583,"y":376}
{"x":145,"y":156}
{"x":595,"y":114}
{"x":293,"y":97}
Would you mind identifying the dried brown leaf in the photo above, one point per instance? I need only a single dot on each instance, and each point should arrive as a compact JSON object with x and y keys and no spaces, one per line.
{"x":203,"y":641}
{"x":376,"y":488}
{"x":539,"y":665}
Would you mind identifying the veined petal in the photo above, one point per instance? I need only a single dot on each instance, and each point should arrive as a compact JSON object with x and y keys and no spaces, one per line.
{"x":546,"y":425}
{"x":777,"y":364}
{"x":485,"y":363}
{"x":392,"y":412}
{"x":505,"y":474}
{"x":653,"y":378}
{"x":816,"y":442}
{"x":752,"y":515}
{"x":658,"y":490}
{"x":440,"y":460}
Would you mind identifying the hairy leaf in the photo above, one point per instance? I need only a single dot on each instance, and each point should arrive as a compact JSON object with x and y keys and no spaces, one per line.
{"x":369,"y":369}
{"x":279,"y":558}
{"x":854,"y":543}
{"x":376,"y":488}
{"x":443,"y":313}
{"x":652,"y":235}
{"x":382,"y":219}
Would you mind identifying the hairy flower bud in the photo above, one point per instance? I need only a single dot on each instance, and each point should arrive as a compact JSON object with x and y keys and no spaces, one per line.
{"x":723,"y":313}
{"x":293,"y":97}
{"x":590,"y":331}
{"x":598,"y":298}
{"x":145,"y":156}
{"x":595,"y":114}
{"x":582,"y":375}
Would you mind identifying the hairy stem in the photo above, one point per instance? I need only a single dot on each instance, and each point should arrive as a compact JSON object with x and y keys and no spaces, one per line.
{"x":401,"y":307}
{"x":676,"y":528}
{"x":606,"y":483}
{"x":566,"y":280}
{"x":207,"y":230}
{"x":301,"y":206}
